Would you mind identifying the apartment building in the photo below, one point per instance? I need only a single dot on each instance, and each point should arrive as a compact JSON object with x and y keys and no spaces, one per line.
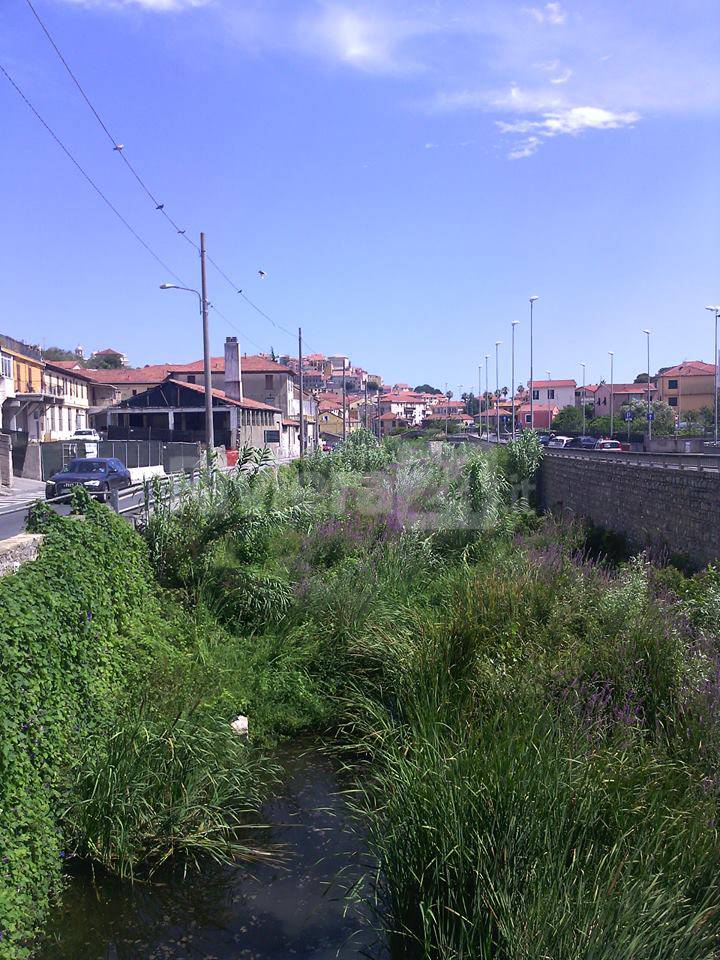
{"x":688,"y":386}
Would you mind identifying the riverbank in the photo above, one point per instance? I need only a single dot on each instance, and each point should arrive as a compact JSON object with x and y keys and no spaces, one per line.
{"x":528,"y":732}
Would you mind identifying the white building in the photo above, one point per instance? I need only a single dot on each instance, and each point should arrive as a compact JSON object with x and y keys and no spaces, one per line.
{"x":561,"y":393}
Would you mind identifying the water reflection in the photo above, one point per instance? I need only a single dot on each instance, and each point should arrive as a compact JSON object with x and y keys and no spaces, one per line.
{"x":258,"y":912}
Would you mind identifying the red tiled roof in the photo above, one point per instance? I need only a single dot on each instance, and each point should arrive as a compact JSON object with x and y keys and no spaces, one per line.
{"x":108,"y":352}
{"x":544,"y":384}
{"x":690,"y":368}
{"x":153,"y":373}
{"x":59,"y":367}
{"x":537,"y":406}
{"x":588,"y":388}
{"x":291,"y":423}
{"x":631,"y":387}
{"x":253,"y":363}
{"x":245,"y":403}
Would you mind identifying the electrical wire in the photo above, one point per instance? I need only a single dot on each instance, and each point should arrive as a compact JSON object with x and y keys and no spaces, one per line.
{"x":110,"y":204}
{"x":89,"y":179}
{"x":120,"y":150}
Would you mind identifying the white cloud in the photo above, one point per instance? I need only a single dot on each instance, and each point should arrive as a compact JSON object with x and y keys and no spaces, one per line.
{"x":571,"y":121}
{"x":158,"y":6}
{"x":562,"y":78}
{"x":551,"y":13}
{"x":362,"y":36}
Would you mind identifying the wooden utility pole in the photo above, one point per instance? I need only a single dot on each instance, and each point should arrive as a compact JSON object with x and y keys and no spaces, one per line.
{"x":209,"y":429}
{"x":302,"y":407}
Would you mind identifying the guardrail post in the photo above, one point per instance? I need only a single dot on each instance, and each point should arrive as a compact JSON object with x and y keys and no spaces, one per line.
{"x":114,"y":500}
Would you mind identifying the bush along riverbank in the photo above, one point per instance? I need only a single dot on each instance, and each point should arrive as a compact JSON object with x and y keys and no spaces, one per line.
{"x":532,"y":733}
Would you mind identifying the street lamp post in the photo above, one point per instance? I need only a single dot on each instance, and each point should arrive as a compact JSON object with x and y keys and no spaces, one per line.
{"x":497,"y":390}
{"x":649,"y":404}
{"x":612,"y":391}
{"x":533,"y":300}
{"x":512,"y":367}
{"x":716,"y":310}
{"x":582,"y":399}
{"x":487,"y":398}
{"x":209,"y":431}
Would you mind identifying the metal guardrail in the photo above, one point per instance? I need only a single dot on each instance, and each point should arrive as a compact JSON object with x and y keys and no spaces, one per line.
{"x":668,"y":461}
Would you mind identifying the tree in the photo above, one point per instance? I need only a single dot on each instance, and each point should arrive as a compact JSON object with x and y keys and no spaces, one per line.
{"x":426,"y":388}
{"x":663,"y":424}
{"x":641,"y":378}
{"x":106,"y":362}
{"x":472,"y":403}
{"x":58,"y":353}
{"x":568,"y":420}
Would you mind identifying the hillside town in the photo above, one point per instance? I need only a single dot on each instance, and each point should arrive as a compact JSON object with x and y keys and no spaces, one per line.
{"x":260,"y":399}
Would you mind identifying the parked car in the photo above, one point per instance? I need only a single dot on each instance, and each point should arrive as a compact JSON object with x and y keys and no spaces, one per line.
{"x":609,"y":446}
{"x":97,"y":474}
{"x":545,"y":438}
{"x":88,"y":435}
{"x":559,"y":442}
{"x":583,"y":443}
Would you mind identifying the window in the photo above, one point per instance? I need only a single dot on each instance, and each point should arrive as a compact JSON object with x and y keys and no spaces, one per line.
{"x":191,"y":378}
{"x":527,"y":418}
{"x":6,"y":365}
{"x":268,"y":381}
{"x":672,"y":401}
{"x":272,"y":436}
{"x":672,"y":384}
{"x":536,"y":394}
{"x":551,"y":394}
{"x":134,"y":393}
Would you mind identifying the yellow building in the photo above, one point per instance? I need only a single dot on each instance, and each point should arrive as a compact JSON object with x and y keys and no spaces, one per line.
{"x":689,"y":385}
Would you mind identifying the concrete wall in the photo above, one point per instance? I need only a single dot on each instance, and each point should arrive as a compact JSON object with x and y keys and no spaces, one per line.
{"x":6,"y":471}
{"x":662,"y":508}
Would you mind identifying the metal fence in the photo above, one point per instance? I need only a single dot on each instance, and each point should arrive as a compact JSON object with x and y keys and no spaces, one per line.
{"x":172,"y":457}
{"x":668,"y":461}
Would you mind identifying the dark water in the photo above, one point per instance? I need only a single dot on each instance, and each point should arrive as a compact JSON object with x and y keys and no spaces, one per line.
{"x":249,"y":912}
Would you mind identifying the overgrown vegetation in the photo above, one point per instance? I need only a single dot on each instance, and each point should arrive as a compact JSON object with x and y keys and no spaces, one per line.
{"x":532,"y":728}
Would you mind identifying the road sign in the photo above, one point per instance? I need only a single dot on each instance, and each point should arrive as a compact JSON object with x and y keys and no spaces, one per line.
{"x":628,"y":416}
{"x":651,"y":415}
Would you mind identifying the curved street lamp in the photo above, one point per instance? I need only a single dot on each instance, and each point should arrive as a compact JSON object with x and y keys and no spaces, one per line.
{"x":209,"y":427}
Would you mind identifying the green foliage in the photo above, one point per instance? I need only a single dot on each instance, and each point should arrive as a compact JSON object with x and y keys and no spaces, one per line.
{"x":73,"y":640}
{"x":155,"y":789}
{"x":523,"y":456}
{"x":568,"y":420}
{"x":663,"y":417}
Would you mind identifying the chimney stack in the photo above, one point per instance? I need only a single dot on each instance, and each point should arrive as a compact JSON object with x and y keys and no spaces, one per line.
{"x":233,"y":378}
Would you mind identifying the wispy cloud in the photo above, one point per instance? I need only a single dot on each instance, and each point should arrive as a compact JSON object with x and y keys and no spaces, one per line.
{"x":539,"y":70}
{"x":158,"y":6}
{"x":571,"y":121}
{"x":365,"y":38}
{"x":551,"y":13}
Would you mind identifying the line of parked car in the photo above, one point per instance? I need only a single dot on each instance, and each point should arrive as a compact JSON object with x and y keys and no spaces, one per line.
{"x":580,"y":443}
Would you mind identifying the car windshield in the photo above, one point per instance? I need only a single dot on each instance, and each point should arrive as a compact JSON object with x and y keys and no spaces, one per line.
{"x":85,"y":466}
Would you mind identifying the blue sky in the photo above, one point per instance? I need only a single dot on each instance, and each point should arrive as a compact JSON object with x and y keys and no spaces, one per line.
{"x":406,"y":173}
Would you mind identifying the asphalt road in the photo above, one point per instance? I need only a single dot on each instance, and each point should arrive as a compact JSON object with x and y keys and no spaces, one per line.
{"x":13,"y":514}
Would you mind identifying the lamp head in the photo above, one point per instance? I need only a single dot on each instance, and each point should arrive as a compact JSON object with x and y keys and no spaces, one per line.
{"x":715,"y":308}
{"x":611,"y":353}
{"x":498,"y":342}
{"x":515,"y":323}
{"x":534,"y":299}
{"x":647,"y":332}
{"x":168,"y":286}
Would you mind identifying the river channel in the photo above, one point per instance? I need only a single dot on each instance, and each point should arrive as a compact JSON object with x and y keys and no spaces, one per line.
{"x":259,"y":911}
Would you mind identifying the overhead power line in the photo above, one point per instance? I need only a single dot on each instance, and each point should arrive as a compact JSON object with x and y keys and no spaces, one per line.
{"x":119,"y":148}
{"x":106,"y":200}
{"x":89,"y":179}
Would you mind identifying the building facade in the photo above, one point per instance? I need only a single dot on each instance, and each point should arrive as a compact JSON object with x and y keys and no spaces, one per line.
{"x":688,"y":386}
